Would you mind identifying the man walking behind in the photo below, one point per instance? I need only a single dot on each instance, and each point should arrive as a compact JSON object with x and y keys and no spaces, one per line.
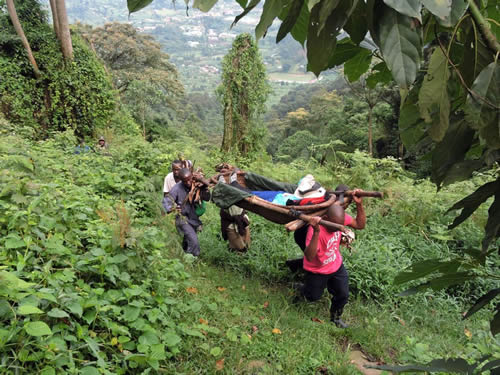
{"x":187,"y":221}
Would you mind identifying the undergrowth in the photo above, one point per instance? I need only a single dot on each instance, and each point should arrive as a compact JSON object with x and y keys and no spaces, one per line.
{"x":94,"y":281}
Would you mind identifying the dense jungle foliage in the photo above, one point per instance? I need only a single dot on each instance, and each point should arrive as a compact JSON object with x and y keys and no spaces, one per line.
{"x":77,"y":96}
{"x":93,"y":278}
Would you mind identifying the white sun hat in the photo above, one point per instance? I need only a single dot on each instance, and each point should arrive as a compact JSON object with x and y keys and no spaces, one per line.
{"x":309,"y":188}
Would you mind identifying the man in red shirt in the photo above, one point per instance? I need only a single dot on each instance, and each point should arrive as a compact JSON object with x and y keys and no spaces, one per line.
{"x":323,"y":262}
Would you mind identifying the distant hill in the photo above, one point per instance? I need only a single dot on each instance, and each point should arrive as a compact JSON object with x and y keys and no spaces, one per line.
{"x":195,"y":40}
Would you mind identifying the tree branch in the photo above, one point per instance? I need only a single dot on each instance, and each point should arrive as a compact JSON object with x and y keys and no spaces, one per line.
{"x":11,"y":9}
{"x":484,"y":27}
{"x":460,"y":77}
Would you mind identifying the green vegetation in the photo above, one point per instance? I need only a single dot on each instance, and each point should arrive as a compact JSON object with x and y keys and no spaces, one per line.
{"x":147,"y":82}
{"x":93,"y":279}
{"x":76,"y":96}
{"x":454,"y":118}
{"x":243,"y":92}
{"x":83,"y":229}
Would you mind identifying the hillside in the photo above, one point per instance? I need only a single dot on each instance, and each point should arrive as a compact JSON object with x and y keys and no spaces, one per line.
{"x":197,"y":41}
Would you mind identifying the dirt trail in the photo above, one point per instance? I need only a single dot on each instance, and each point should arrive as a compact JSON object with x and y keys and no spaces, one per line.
{"x":359,"y":360}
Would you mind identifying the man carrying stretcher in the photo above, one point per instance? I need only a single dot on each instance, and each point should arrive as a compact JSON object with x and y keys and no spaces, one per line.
{"x":322,"y":260}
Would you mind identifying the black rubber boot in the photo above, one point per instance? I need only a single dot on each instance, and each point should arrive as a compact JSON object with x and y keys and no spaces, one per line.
{"x":340,"y":323}
{"x":335,"y":318}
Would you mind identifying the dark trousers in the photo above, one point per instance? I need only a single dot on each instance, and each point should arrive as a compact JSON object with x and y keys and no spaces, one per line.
{"x":337,"y":284}
{"x":190,"y":243}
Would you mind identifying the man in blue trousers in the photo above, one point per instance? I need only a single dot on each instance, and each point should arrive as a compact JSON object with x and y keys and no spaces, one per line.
{"x":187,"y":221}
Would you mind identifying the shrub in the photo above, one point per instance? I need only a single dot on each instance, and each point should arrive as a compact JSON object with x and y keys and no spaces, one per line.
{"x":76,"y":96}
{"x":90,"y":277}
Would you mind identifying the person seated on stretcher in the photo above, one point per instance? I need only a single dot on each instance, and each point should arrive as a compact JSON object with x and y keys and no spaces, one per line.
{"x":308,"y":192}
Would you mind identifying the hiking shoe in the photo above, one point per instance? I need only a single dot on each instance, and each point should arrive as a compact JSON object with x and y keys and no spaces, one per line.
{"x":298,"y":286}
{"x":340,"y":323}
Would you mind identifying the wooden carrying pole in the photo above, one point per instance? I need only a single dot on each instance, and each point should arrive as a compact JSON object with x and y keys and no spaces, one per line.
{"x":360,"y":193}
{"x":307,"y":218}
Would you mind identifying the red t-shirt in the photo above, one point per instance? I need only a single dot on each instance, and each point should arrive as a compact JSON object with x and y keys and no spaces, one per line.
{"x":328,"y":259}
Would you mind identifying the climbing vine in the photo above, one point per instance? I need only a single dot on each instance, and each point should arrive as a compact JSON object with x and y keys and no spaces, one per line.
{"x":243,"y":92}
{"x":76,"y":96}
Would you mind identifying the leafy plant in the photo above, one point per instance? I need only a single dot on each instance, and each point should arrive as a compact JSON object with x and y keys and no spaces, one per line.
{"x":243,"y":92}
{"x":454,"y":115}
{"x":85,"y":283}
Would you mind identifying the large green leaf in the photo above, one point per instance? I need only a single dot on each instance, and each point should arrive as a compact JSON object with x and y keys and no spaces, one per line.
{"x":343,"y":52}
{"x":440,"y":8}
{"x":451,"y":365}
{"x":462,"y":171}
{"x":171,"y":339}
{"x":482,"y":301}
{"x":131,"y":313}
{"x":492,"y":228}
{"x":358,"y":65}
{"x":136,"y":5}
{"x":28,"y":310}
{"x":37,"y":329}
{"x":149,"y":338}
{"x":410,"y":8}
{"x":14,"y":242}
{"x":476,"y":57}
{"x":272,"y":8}
{"x":470,"y":203}
{"x":158,"y":352}
{"x":11,"y":282}
{"x":321,"y":41}
{"x":433,"y":95}
{"x":458,"y":8}
{"x":410,"y":124}
{"x":291,"y":19}
{"x":400,"y":41}
{"x":380,"y":74}
{"x":482,"y":108}
{"x":320,"y":45}
{"x":441,"y":282}
{"x":495,"y":322}
{"x":494,"y":366}
{"x":451,"y":150}
{"x":356,"y":25}
{"x":312,"y":3}
{"x":75,"y":307}
{"x":57,"y":313}
{"x":327,"y":7}
{"x":204,"y":5}
{"x":424,"y":268}
{"x":299,"y":30}
{"x":89,"y":370}
{"x":250,"y":6}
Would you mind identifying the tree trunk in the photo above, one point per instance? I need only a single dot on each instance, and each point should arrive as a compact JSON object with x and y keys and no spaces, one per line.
{"x":55,"y":18}
{"x":64,"y":34}
{"x":143,"y":116}
{"x":242,"y":129}
{"x":19,"y":30}
{"x":370,"y":135}
{"x":227,"y":139}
